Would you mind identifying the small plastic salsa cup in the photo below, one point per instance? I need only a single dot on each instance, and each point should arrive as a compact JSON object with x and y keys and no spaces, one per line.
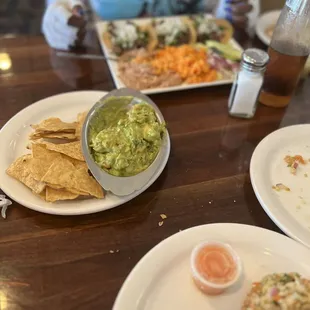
{"x":215,"y":267}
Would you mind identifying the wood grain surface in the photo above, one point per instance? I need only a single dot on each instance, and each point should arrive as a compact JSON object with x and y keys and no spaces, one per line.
{"x":53,"y":262}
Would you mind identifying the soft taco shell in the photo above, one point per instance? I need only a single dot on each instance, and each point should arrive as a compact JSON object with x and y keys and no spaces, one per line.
{"x":152,"y":36}
{"x":152,"y":43}
{"x":189,"y":25}
{"x":107,"y":40}
{"x":228,"y":29}
{"x":191,"y":29}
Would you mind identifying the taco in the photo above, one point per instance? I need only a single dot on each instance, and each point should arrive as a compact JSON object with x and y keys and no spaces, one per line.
{"x":174,"y":32}
{"x":123,"y":36}
{"x":211,"y":29}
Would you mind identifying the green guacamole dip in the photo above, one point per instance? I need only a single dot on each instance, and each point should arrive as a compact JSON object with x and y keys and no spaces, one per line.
{"x":124,"y":142}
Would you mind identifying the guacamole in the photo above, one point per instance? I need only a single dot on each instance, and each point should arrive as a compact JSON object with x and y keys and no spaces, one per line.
{"x":125,"y":141}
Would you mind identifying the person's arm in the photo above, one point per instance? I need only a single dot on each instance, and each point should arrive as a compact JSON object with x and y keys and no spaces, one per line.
{"x":233,"y":10}
{"x":63,"y":24}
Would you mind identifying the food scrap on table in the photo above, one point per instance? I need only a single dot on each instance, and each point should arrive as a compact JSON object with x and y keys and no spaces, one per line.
{"x":279,"y":187}
{"x":293,"y":162}
{"x":279,"y":291}
{"x":4,"y":204}
{"x":161,"y":223}
{"x":55,"y":171}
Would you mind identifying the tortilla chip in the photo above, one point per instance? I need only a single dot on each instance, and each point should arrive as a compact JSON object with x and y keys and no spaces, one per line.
{"x":54,"y":186}
{"x":42,"y":195}
{"x":80,"y":122}
{"x":40,"y":151}
{"x":53,"y":195}
{"x":72,"y":149}
{"x":75,"y":191}
{"x":54,"y":124}
{"x":57,"y":135}
{"x":42,"y":160}
{"x":77,"y":163}
{"x":20,"y":170}
{"x":64,"y":173}
{"x":38,"y":167}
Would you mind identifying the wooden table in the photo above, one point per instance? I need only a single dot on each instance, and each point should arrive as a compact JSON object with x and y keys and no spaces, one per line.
{"x":54,"y":262}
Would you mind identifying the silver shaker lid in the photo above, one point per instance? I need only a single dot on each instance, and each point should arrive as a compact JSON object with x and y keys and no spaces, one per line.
{"x":254,"y":59}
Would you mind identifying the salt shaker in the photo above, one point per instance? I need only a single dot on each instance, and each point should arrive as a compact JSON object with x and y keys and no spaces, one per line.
{"x":248,"y":83}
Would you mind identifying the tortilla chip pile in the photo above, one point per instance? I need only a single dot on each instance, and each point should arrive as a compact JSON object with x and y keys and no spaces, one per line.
{"x":56,"y":171}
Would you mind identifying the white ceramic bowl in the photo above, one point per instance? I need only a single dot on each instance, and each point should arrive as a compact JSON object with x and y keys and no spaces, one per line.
{"x":122,"y":186}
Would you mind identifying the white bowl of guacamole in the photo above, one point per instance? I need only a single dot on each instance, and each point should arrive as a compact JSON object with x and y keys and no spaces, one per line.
{"x":124,"y":135}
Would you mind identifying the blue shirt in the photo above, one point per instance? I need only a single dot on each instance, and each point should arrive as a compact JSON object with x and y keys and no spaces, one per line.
{"x":118,"y":9}
{"x":122,"y":9}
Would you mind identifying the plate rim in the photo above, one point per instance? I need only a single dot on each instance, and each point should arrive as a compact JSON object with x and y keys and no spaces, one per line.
{"x":179,"y":235}
{"x":295,"y":234}
{"x":260,"y":29}
{"x":56,"y":210}
{"x":118,"y":83}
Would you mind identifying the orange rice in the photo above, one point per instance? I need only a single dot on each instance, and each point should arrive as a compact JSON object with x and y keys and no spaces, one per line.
{"x":190,"y":63}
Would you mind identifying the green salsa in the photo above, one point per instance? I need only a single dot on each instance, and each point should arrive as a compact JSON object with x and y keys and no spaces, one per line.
{"x":125,"y":141}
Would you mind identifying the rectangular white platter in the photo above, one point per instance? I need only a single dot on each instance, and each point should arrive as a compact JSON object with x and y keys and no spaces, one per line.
{"x":113,"y":66}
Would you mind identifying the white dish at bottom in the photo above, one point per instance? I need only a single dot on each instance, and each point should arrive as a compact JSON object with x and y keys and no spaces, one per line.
{"x":162,"y":279}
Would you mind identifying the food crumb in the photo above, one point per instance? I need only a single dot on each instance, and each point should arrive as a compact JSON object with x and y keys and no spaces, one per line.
{"x":293,"y":162}
{"x":160,"y":223}
{"x":201,"y":206}
{"x":111,"y":251}
{"x":163,"y":216}
{"x":234,"y":201}
{"x":210,"y":202}
{"x":117,"y":251}
{"x":278,"y":187}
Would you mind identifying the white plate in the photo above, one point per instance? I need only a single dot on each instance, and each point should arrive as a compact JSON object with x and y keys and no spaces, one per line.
{"x":14,"y":139}
{"x":289,"y":210}
{"x":264,"y":22}
{"x":101,"y":27}
{"x":162,"y":279}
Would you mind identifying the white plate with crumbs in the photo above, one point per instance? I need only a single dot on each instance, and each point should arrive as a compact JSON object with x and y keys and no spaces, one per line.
{"x":162,"y":279}
{"x":14,"y":137}
{"x":282,"y":190}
